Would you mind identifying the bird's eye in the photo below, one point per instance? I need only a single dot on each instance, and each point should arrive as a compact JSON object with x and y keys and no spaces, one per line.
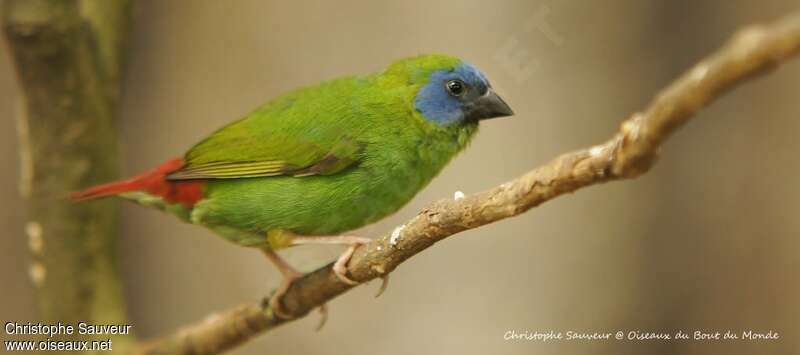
{"x":456,"y":87}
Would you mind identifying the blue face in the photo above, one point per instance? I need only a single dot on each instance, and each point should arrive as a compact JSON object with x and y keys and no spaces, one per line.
{"x":459,"y":96}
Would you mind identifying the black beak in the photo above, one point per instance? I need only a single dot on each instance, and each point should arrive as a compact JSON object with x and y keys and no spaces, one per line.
{"x":490,"y":105}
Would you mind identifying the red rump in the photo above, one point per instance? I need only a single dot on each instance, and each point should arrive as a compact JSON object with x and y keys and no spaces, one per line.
{"x":154,"y":182}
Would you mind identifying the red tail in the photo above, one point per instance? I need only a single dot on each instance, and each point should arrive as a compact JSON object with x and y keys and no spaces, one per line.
{"x":153,"y":182}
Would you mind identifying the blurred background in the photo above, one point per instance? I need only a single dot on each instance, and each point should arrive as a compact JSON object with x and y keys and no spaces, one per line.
{"x":708,"y":240}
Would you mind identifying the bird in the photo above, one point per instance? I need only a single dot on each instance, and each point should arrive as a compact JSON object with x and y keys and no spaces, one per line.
{"x":319,"y":161}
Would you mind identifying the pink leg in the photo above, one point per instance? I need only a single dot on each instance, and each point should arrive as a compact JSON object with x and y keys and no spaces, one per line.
{"x":289,"y":275}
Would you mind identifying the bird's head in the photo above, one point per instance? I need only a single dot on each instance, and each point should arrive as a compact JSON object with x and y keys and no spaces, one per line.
{"x":450,"y":91}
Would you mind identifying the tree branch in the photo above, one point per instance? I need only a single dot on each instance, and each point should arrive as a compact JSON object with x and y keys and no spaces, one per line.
{"x":630,"y":153}
{"x":67,"y":55}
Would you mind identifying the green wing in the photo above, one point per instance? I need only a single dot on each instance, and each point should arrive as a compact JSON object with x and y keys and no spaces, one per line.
{"x":277,"y":140}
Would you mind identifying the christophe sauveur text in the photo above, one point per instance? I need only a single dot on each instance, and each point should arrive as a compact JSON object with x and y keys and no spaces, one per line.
{"x":62,"y":329}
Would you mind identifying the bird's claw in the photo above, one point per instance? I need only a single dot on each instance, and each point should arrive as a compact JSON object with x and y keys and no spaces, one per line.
{"x":277,"y":307}
{"x":323,"y":316}
{"x":384,"y":285}
{"x":275,"y":301}
{"x":289,"y":275}
{"x":340,"y":266}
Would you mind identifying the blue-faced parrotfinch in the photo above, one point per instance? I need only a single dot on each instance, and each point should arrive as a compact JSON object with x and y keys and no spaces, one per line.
{"x":322,"y":160}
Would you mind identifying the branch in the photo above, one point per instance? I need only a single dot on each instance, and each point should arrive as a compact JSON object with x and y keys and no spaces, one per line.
{"x":630,"y":153}
{"x":67,"y":55}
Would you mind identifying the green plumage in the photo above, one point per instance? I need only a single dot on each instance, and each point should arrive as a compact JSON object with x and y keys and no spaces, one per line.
{"x":322,"y":160}
{"x":325,"y":159}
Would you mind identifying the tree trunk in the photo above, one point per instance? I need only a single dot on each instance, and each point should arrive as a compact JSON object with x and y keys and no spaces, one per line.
{"x":68,"y":57}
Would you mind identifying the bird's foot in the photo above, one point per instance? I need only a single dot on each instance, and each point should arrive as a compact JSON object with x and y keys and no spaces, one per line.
{"x":275,"y":301}
{"x":340,"y":266}
{"x":289,"y":275}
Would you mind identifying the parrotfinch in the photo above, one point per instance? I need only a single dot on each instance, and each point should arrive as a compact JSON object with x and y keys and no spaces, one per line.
{"x":322,"y":160}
